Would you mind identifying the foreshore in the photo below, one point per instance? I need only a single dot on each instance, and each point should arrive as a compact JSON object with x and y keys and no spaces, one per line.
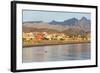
{"x":52,"y":43}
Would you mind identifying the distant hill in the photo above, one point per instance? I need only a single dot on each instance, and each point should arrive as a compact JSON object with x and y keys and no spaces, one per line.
{"x":32,"y":29}
{"x":69,"y":22}
{"x":83,"y":23}
{"x":73,"y":24}
{"x":32,"y":22}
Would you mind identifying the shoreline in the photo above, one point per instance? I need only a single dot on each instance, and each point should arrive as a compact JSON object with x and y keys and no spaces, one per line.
{"x":52,"y":44}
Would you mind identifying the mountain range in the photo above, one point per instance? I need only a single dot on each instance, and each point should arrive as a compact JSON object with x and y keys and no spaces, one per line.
{"x":72,"y":21}
{"x":82,"y":24}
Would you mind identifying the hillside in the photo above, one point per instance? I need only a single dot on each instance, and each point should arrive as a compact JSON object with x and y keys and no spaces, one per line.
{"x":71,"y":25}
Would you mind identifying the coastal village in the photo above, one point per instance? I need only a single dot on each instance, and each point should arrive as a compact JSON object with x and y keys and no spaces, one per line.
{"x":43,"y":38}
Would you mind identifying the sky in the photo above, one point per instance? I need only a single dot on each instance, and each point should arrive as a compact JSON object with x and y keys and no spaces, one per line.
{"x":48,"y":16}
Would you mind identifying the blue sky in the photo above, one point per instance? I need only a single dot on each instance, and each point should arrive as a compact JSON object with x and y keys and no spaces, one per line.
{"x":48,"y":16}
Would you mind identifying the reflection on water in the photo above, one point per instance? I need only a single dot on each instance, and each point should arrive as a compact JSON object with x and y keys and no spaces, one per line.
{"x":57,"y":53}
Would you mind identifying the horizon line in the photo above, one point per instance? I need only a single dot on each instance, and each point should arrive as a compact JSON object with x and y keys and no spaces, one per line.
{"x":56,"y":20}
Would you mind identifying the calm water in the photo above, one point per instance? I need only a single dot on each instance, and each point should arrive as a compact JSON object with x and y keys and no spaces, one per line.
{"x":57,"y":53}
